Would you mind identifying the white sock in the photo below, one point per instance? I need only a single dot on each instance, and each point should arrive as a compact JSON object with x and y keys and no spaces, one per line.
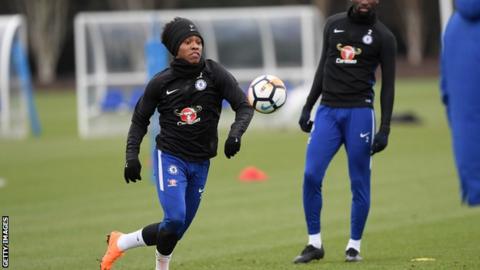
{"x":315,"y":240}
{"x":161,"y":261}
{"x":354,"y":244}
{"x":131,"y":240}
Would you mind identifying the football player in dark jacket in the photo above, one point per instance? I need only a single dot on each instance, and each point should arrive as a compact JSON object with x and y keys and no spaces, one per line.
{"x":355,"y":43}
{"x":188,"y":95}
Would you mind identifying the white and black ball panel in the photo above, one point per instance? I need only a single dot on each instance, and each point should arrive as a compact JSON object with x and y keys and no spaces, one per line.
{"x":263,"y":89}
{"x":279,"y":97}
{"x":266,"y":93}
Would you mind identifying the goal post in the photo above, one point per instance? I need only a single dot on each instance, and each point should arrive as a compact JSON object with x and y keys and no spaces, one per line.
{"x":17,"y":108}
{"x":446,"y":10}
{"x":111,"y":66}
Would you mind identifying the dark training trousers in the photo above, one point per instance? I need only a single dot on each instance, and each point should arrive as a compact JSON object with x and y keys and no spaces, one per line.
{"x":180,"y":185}
{"x":353,"y":127}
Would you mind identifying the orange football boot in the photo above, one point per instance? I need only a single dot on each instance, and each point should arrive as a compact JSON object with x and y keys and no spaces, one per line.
{"x":113,"y":252}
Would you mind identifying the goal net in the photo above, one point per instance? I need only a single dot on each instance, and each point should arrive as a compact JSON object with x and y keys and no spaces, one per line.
{"x":111,"y":66}
{"x":16,"y":99}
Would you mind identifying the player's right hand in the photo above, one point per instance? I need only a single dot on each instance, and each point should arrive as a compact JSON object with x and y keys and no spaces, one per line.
{"x":132,"y":170}
{"x":380,"y":142}
{"x":232,"y":146}
{"x":304,"y":122}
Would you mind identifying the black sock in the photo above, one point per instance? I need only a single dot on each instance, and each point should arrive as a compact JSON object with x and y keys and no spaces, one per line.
{"x":150,"y":234}
{"x":166,"y":242}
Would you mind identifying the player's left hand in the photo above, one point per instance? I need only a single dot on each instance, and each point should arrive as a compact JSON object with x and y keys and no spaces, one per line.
{"x":304,"y":121}
{"x":132,"y":170}
{"x":232,"y":146}
{"x":380,"y":141}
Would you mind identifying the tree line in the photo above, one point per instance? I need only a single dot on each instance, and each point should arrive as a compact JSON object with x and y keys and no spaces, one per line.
{"x":415,"y":23}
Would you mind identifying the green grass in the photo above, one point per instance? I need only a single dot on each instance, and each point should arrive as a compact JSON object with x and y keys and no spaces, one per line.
{"x":64,"y":194}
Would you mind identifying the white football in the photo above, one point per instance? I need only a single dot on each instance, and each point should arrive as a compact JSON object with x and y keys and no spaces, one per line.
{"x":267,"y":93}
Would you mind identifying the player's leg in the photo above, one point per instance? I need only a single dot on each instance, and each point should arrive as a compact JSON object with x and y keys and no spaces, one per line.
{"x":171,"y":188}
{"x":198,"y":172}
{"x":359,"y":132}
{"x":325,"y":140}
{"x":171,"y":185}
{"x":197,"y":176}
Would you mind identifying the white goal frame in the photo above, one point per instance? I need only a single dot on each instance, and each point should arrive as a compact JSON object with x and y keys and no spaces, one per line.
{"x":13,"y":114}
{"x":446,"y":10}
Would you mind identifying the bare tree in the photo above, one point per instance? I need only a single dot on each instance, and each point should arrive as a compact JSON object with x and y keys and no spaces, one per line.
{"x":413,"y":29}
{"x":47,"y":23}
{"x":323,"y":6}
{"x":131,"y":4}
{"x":169,"y":4}
{"x":336,"y":6}
{"x":142,"y":4}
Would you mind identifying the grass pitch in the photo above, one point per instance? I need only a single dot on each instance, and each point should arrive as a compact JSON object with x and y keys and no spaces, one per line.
{"x":63,"y":195}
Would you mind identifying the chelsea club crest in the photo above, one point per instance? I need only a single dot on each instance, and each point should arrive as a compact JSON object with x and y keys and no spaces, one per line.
{"x":367,"y":39}
{"x":200,"y":84}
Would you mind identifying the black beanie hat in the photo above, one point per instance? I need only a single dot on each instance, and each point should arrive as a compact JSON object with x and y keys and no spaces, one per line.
{"x":176,"y":31}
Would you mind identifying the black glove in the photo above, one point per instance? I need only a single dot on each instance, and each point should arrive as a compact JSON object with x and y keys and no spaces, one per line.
{"x":232,"y":146}
{"x":132,"y":170}
{"x":380,"y":141}
{"x":304,"y":122}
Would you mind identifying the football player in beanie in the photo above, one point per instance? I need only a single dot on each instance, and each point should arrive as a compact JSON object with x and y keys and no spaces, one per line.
{"x":355,"y":43}
{"x":188,"y":95}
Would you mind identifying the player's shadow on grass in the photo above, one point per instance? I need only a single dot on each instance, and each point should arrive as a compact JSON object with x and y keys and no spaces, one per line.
{"x":406,"y":118}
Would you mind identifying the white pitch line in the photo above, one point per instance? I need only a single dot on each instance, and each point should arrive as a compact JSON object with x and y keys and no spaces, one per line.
{"x":3,"y":182}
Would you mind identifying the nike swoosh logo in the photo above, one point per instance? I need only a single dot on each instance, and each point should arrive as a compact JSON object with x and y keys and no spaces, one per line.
{"x":363,"y":135}
{"x":266,"y":107}
{"x":336,"y":31}
{"x":172,"y":91}
{"x":200,"y":190}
